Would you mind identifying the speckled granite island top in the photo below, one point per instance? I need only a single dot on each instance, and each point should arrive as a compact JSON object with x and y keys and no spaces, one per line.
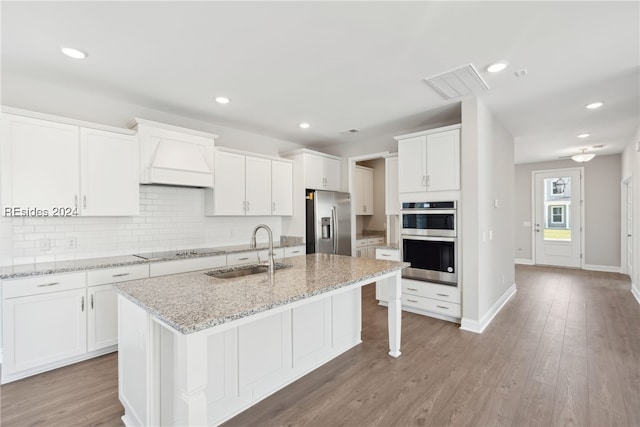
{"x":192,"y":302}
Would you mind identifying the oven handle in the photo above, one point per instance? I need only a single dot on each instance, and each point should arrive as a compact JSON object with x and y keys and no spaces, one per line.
{"x":428,"y":211}
{"x":430,"y":239}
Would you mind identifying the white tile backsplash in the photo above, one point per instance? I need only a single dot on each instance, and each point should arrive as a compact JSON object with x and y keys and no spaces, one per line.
{"x":170,"y":218}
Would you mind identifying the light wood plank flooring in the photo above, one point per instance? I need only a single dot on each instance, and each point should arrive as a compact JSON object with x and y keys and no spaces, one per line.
{"x":564,"y":351}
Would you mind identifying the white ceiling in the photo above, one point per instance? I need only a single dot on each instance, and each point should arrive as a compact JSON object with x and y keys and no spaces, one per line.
{"x":343,"y":65}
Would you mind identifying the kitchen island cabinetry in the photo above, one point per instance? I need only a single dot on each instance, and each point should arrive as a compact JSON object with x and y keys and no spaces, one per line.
{"x":68,"y":170}
{"x":429,"y":160}
{"x":207,"y":362}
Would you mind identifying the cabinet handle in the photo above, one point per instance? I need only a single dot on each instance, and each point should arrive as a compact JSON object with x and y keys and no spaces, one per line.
{"x":412,"y":289}
{"x":120,"y":275}
{"x":48,"y":284}
{"x":442,"y":295}
{"x":424,"y":180}
{"x":84,"y":201}
{"x":385,"y":255}
{"x":428,"y":180}
{"x":91,"y":301}
{"x":82,"y":304}
{"x":364,"y":208}
{"x":411,"y":300}
{"x":273,"y":207}
{"x":247,"y":206}
{"x":75,"y":200}
{"x":295,"y":252}
{"x":442,"y":307}
{"x":243,"y":259}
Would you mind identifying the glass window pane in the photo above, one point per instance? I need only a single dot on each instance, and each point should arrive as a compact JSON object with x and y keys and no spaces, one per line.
{"x":557,"y":208}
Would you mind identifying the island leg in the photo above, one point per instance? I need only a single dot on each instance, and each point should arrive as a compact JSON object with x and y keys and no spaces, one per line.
{"x":394,"y":291}
{"x":191,"y":352}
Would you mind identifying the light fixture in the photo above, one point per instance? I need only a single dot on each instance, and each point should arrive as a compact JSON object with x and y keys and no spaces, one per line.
{"x":582,"y":157}
{"x":304,"y":125}
{"x":496,"y":67}
{"x":583,"y":135}
{"x":73,"y":53}
{"x":559,"y":186}
{"x":594,"y":105}
{"x":222,"y":100}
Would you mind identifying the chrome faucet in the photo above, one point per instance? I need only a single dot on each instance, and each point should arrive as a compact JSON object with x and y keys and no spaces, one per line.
{"x":271,"y":263}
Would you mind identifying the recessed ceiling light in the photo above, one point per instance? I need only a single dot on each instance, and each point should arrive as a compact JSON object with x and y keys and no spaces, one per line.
{"x":73,"y":53}
{"x":583,"y":135}
{"x":496,"y":67}
{"x":304,"y":125}
{"x":222,"y":100}
{"x":594,"y":105}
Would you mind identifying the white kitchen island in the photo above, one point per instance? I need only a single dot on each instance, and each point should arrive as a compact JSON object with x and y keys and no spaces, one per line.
{"x":195,"y":350}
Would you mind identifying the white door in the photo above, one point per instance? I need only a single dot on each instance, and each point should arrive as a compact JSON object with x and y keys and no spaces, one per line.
{"x":629,"y":228}
{"x":258,"y":186}
{"x":557,"y":218}
{"x":103,"y":317}
{"x":229,"y":197}
{"x":412,"y":164}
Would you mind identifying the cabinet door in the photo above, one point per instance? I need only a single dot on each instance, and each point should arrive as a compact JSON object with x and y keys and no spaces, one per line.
{"x":313,"y":172}
{"x":392,"y":199}
{"x":412,"y":174}
{"x":443,"y":161}
{"x":281,"y":188}
{"x":40,"y":164}
{"x":358,"y":189}
{"x":332,"y":174}
{"x":371,"y":252}
{"x":229,"y":195}
{"x":367,"y":191}
{"x":258,"y":186}
{"x":109,"y":173}
{"x":42,"y":329}
{"x":103,"y":317}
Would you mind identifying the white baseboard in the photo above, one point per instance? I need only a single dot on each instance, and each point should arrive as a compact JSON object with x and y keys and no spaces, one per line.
{"x":635,"y":291}
{"x":479,"y":326}
{"x":605,"y":268}
{"x":523,"y":261}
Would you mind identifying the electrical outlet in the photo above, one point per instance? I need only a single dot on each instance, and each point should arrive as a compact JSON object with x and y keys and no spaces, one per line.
{"x":71,"y":242}
{"x":44,"y":244}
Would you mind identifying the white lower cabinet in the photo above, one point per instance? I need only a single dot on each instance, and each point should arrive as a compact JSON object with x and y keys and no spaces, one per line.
{"x":102,"y":319}
{"x":44,"y":323}
{"x":290,"y":251}
{"x":431,"y":298}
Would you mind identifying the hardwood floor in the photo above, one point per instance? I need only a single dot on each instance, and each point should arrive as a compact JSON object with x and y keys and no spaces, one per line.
{"x":564,"y":351}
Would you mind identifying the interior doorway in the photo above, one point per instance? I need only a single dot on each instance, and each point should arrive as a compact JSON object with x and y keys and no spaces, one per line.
{"x":558,"y":217}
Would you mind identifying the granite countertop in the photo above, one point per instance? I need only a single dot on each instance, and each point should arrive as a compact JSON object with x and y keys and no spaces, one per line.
{"x":392,"y":246}
{"x":37,"y":269}
{"x":192,"y":302}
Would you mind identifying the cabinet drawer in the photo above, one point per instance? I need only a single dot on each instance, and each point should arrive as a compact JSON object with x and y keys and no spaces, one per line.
{"x":428,"y":304}
{"x":431,"y":290}
{"x":361,"y":243}
{"x":117,"y":274}
{"x":12,"y":288}
{"x":263,"y":254}
{"x":295,"y":251}
{"x":375,"y":241}
{"x":242,"y":258}
{"x":186,"y":265}
{"x":388,"y":254}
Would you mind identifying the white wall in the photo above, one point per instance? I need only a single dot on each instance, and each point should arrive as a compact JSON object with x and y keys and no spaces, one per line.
{"x":602,"y":209}
{"x":487,"y":176}
{"x":170,"y":218}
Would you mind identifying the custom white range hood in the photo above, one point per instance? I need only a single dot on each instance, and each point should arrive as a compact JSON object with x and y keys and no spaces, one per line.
{"x":172,"y":155}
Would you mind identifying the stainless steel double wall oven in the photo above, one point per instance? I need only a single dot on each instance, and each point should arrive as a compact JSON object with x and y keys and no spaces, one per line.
{"x":429,"y":241}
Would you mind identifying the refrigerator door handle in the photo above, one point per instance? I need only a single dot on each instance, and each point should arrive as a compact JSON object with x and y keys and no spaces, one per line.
{"x":336,"y":232}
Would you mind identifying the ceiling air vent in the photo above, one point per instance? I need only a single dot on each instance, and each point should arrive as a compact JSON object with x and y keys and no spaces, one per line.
{"x":458,"y":83}
{"x":348,"y":131}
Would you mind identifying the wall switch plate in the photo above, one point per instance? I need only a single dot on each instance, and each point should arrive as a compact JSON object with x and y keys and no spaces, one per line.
{"x":526,"y":223}
{"x":44,"y":244}
{"x":71,"y":242}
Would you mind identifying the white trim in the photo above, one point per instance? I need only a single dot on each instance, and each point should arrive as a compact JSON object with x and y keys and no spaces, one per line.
{"x":635,"y":292}
{"x":1,"y":358}
{"x":605,"y":268}
{"x":523,"y":261}
{"x":307,"y":151}
{"x":428,"y":132}
{"x":479,"y":327}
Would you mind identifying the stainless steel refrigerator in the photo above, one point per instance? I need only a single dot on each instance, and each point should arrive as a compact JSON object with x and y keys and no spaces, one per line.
{"x":328,"y":222}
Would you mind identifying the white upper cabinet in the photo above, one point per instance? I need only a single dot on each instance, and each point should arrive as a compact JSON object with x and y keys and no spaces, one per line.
{"x":363,"y":188}
{"x":258,"y":186}
{"x":173,"y":155}
{"x":429,"y":160}
{"x":281,"y":188}
{"x":67,"y":170}
{"x":392,"y":199}
{"x":332,"y":174}
{"x":249,"y":185}
{"x":321,"y":173}
{"x":109,"y":173}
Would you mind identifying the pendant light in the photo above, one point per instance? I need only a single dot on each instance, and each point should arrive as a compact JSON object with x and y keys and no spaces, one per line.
{"x":582,"y":157}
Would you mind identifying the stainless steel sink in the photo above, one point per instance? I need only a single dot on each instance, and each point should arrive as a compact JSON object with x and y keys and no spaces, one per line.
{"x":247,"y":270}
